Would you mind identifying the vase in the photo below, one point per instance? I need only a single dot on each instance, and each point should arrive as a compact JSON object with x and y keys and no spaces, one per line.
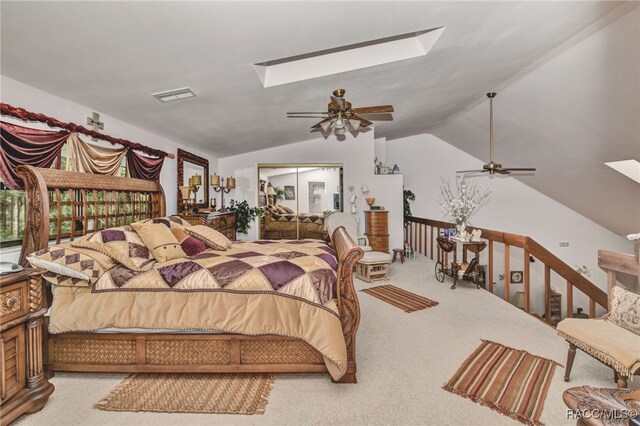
{"x":461,"y":227}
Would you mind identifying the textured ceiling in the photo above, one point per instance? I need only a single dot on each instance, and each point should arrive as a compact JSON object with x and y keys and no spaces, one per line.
{"x":112,"y":56}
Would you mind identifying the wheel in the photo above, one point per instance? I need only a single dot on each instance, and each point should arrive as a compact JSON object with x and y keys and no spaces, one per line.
{"x":439,"y":272}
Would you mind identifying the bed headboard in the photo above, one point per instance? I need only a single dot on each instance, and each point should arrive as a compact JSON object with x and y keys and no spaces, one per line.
{"x":62,"y":204}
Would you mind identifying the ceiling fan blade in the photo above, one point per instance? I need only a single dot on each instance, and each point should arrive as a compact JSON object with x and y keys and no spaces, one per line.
{"x":502,"y":171}
{"x":471,"y":171}
{"x":308,"y":112}
{"x":378,"y":117}
{"x":306,"y":116}
{"x":338,"y":101}
{"x":374,"y":109}
{"x":315,"y":126}
{"x":520,"y":169}
{"x":363,"y":122}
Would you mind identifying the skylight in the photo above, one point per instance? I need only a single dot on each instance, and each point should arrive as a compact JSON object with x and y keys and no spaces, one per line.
{"x":174,"y":95}
{"x":629,"y":168}
{"x":347,"y":58}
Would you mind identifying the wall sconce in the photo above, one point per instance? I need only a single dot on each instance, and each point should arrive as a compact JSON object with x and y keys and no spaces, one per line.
{"x":364,"y":188}
{"x":217,"y":183}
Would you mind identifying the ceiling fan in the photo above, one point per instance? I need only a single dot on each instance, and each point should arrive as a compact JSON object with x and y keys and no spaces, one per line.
{"x":340,"y":116}
{"x":492,"y":167}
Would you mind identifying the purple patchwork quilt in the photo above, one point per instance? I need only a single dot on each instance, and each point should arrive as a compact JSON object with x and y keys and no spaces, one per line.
{"x":301,"y":269}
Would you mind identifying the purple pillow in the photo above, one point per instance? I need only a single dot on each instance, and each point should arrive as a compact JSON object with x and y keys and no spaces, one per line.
{"x":192,"y":246}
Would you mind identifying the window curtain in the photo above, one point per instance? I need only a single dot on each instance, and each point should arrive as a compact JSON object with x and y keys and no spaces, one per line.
{"x":21,"y":145}
{"x":142,"y":167}
{"x":94,"y":159}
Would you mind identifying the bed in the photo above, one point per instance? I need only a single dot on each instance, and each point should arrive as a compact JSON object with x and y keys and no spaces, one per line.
{"x":168,"y":320}
{"x":284,"y":225}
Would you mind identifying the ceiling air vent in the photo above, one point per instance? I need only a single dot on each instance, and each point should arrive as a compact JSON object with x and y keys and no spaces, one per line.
{"x":174,"y":95}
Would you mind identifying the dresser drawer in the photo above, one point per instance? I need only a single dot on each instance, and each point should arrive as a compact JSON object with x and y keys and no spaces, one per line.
{"x":14,"y":301}
{"x":12,"y":362}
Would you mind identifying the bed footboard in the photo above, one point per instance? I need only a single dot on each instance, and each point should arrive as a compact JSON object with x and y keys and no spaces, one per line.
{"x":348,"y":254}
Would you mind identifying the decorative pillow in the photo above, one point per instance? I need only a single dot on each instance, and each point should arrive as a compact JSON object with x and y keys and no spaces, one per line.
{"x":625,"y":309}
{"x":210,"y":237}
{"x":287,"y":209}
{"x":281,"y":209}
{"x":272,"y":209}
{"x":170,"y":221}
{"x":67,"y":267}
{"x":190,"y":245}
{"x":160,"y":240}
{"x":121,"y":244}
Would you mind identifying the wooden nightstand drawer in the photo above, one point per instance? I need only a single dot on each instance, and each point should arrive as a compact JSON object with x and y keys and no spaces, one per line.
{"x":12,"y":366}
{"x":14,"y":301}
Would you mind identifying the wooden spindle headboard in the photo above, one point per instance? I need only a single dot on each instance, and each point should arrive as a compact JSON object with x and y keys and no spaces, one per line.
{"x":62,"y":204}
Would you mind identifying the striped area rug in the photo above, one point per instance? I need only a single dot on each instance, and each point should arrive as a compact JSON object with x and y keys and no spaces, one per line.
{"x":191,"y":393}
{"x":403,"y":299}
{"x":510,"y":381}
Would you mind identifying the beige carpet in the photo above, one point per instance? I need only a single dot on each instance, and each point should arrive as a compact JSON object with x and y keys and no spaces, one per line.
{"x":191,"y":393}
{"x":403,"y":361}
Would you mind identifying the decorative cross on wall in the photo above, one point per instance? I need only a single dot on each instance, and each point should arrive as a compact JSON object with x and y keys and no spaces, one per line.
{"x":94,"y":121}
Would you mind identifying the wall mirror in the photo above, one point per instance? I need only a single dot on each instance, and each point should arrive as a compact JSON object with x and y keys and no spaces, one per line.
{"x":297,"y":197}
{"x":193,"y":173}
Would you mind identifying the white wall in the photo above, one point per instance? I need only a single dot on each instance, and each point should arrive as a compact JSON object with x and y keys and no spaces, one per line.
{"x":19,"y":94}
{"x":356,"y":155}
{"x":512,"y":207}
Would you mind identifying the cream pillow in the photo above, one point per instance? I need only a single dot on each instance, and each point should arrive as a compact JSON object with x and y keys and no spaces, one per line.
{"x":160,"y":241}
{"x":210,"y":237}
{"x":625,"y":309}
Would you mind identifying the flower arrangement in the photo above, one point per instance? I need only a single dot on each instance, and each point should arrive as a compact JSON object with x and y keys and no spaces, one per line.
{"x":463,"y":202}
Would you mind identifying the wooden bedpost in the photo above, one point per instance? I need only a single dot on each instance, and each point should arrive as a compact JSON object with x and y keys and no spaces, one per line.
{"x":36,"y":230}
{"x":348,"y":307}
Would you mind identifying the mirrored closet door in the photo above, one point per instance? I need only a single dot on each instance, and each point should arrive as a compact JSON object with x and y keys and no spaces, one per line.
{"x":296,"y":199}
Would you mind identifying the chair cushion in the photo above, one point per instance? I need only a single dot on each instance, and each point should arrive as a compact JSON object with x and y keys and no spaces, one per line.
{"x":611,"y":344}
{"x":366,"y":248}
{"x":376,"y":257}
{"x":625,"y":310}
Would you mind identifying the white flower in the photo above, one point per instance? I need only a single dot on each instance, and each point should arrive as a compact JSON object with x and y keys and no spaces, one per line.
{"x":467,"y":199}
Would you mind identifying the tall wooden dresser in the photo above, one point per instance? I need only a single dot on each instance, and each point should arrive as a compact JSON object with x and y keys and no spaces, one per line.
{"x":223,"y":222}
{"x":23,"y":385}
{"x":377,"y":229}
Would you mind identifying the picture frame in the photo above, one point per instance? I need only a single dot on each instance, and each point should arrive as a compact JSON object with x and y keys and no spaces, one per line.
{"x":289,"y":192}
{"x":516,"y":277}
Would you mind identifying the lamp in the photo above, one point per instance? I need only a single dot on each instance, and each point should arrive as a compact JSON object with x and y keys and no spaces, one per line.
{"x":217,"y":183}
{"x":271,"y":193}
{"x":184,"y":195}
{"x":364,"y":188}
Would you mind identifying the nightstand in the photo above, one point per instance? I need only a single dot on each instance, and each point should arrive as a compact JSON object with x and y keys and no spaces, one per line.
{"x":223,"y":222}
{"x":23,"y":385}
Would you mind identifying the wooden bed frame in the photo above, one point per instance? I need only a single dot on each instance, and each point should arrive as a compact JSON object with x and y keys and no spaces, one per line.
{"x":83,"y":203}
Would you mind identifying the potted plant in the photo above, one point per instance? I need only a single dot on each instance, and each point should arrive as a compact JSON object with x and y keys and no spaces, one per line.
{"x":244,"y":215}
{"x":408,"y":196}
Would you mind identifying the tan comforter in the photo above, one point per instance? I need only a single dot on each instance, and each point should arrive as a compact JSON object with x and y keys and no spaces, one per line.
{"x":286,"y":289}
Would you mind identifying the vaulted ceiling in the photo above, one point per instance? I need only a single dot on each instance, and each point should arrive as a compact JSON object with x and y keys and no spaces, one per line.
{"x":111,"y":56}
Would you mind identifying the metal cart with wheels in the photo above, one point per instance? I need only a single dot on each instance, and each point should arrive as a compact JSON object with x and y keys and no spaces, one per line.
{"x":473,"y":273}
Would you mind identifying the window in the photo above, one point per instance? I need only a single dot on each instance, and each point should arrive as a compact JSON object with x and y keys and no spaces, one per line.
{"x":12,"y":205}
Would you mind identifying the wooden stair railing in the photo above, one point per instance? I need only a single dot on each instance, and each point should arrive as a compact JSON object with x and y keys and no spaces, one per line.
{"x":421,"y":233}
{"x":621,"y":267}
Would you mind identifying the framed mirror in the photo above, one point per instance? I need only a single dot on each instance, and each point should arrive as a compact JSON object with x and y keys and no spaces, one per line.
{"x":193,"y":172}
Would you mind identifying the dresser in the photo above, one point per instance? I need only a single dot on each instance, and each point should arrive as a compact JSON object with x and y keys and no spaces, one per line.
{"x":377,"y":229}
{"x":23,"y":385}
{"x":223,"y":222}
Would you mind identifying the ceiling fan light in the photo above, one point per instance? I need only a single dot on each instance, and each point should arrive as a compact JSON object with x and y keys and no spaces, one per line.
{"x":326,"y":126}
{"x":354,"y":124}
{"x":340,"y":123}
{"x":340,"y":130}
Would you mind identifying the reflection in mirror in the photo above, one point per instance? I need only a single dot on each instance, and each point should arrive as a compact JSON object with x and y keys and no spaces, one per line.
{"x":297,"y":198}
{"x":193,"y":173}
